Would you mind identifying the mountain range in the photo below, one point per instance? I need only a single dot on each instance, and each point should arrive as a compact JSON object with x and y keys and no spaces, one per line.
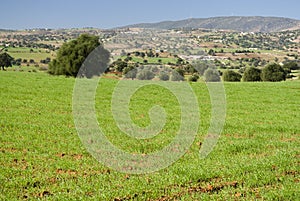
{"x":234,"y":23}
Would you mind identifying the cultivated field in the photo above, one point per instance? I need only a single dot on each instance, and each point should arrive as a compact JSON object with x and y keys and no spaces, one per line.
{"x":41,"y":156}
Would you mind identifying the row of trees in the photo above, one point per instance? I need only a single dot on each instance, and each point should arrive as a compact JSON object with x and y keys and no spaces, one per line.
{"x":271,"y":73}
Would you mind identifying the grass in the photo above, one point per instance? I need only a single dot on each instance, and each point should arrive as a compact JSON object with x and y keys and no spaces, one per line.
{"x":42,"y":157}
{"x":37,"y":54}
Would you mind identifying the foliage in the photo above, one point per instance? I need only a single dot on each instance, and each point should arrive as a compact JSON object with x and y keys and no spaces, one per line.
{"x":176,"y":75}
{"x":231,"y":76}
{"x":194,"y":77}
{"x":145,"y":74}
{"x":252,"y":75}
{"x":291,"y":65}
{"x":212,"y":75}
{"x":164,"y":76}
{"x":130,"y":72}
{"x":119,"y":65}
{"x":273,"y":73}
{"x":72,"y":55}
{"x":201,"y":66}
{"x":5,"y":60}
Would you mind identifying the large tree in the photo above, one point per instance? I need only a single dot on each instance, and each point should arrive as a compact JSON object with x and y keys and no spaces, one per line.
{"x":72,"y":55}
{"x":231,"y":76}
{"x":212,"y":75}
{"x":5,"y":60}
{"x":252,"y":75}
{"x":273,"y":73}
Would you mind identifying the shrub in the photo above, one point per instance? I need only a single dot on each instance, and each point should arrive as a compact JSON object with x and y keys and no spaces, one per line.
{"x":176,"y":76}
{"x":164,"y":76}
{"x":252,"y":75}
{"x":194,"y":78}
{"x":231,"y":76}
{"x":145,"y":74}
{"x":211,"y":75}
{"x":130,"y":72}
{"x":273,"y":73}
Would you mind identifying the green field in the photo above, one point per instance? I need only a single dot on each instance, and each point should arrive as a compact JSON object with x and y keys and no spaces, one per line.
{"x":42,"y":157}
{"x":37,"y":54}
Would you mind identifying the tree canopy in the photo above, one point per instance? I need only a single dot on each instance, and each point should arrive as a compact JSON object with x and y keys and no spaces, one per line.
{"x":212,"y":75}
{"x":72,"y":55}
{"x":5,"y":60}
{"x":273,"y":73}
{"x":252,"y":75}
{"x":231,"y":76}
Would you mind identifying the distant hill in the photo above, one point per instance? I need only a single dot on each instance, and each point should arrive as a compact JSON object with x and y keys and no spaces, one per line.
{"x":244,"y":24}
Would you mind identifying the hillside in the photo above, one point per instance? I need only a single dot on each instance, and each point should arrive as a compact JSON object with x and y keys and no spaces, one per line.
{"x":244,"y":24}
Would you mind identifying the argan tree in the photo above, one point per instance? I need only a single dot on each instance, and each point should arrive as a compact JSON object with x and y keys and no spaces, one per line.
{"x":71,"y":57}
{"x":252,"y":75}
{"x":5,"y":60}
{"x":231,"y":76}
{"x":212,"y":75}
{"x":273,"y":73}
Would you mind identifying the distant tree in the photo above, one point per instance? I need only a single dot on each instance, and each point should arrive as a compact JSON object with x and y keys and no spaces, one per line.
{"x":202,"y":66}
{"x":190,"y":69}
{"x":179,"y":61}
{"x":291,"y":65}
{"x":252,"y":75}
{"x":180,"y":71}
{"x":177,"y":75}
{"x":150,"y":53}
{"x":130,"y":72}
{"x":119,"y":65}
{"x":211,"y":52}
{"x":231,"y":76}
{"x":145,"y":74}
{"x":194,"y":77}
{"x":273,"y":73}
{"x":72,"y":55}
{"x":142,"y":54}
{"x":5,"y":60}
{"x":212,"y":75}
{"x":164,"y":76}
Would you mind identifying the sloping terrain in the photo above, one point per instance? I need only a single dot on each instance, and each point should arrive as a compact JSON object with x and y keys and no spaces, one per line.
{"x":245,"y":24}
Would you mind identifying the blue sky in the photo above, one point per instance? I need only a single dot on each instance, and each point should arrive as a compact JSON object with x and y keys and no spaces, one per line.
{"x":22,"y":14}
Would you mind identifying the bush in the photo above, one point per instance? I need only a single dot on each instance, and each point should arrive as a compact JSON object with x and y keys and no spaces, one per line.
{"x":291,"y":65}
{"x":252,"y":75}
{"x":231,"y":76}
{"x":273,"y":73}
{"x":212,"y":75}
{"x":176,"y":76}
{"x":130,"y":72}
{"x":145,"y":74}
{"x":164,"y":76}
{"x":194,"y":78}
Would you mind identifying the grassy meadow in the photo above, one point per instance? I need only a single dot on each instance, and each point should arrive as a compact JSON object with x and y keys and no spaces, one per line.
{"x":41,"y":156}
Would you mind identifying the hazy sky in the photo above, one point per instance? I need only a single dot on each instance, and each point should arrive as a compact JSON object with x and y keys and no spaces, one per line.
{"x":22,"y":14}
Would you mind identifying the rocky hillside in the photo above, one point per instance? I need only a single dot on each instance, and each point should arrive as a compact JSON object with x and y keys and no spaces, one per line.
{"x":244,"y":24}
